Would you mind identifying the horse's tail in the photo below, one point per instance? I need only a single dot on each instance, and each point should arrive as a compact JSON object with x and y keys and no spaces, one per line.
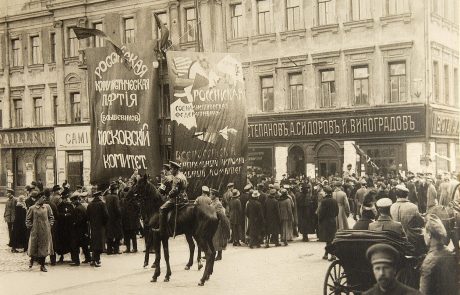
{"x":224,"y":224}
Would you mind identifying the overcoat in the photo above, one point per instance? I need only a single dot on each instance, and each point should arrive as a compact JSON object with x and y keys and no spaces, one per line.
{"x":39,"y":220}
{"x":306,"y":208}
{"x":114,"y":227}
{"x":235,"y":210}
{"x":64,"y":228}
{"x":222,"y":234}
{"x":18,"y":240}
{"x":255,"y":218}
{"x":344,"y":209}
{"x":327,"y":214}
{"x":97,"y":217}
{"x":431,"y":196}
{"x":286,"y":217}
{"x":272,"y":216}
{"x":80,"y":233}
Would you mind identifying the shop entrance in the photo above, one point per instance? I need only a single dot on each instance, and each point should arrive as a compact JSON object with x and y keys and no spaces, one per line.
{"x":328,"y":160}
{"x":75,"y":169}
{"x":296,"y":161}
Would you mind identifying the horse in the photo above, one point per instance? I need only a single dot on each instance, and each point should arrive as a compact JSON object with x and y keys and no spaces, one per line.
{"x":196,"y":222}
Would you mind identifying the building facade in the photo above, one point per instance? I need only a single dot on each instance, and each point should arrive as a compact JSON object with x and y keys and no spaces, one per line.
{"x":321,"y":76}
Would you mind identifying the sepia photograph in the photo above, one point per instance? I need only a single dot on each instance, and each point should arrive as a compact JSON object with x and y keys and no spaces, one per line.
{"x":221,"y":147}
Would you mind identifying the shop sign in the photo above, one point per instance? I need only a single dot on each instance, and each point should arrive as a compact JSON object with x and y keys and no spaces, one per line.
{"x":445,"y":124}
{"x":27,"y":139}
{"x":75,"y":137}
{"x":260,"y":160}
{"x":404,"y":122}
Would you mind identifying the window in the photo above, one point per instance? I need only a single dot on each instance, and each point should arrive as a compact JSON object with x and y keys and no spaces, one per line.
{"x":236,"y":11}
{"x":456,"y":97}
{"x":164,"y":19}
{"x":394,"y":7}
{"x":327,"y":88}
{"x":38,"y":111}
{"x":20,"y":171}
{"x":326,"y":12}
{"x":190,"y":21}
{"x":397,"y":81}
{"x":446,"y":84}
{"x":268,"y":99}
{"x":16,"y":52}
{"x":75,"y":169}
{"x":361,"y":85}
{"x":74,"y":45}
{"x":295,"y":95}
{"x":55,"y":109}
{"x":75,"y":110}
{"x":53,"y":47}
{"x":18,"y":112}
{"x":442,"y":164}
{"x":293,"y":14}
{"x":435,"y":81}
{"x":360,"y":9}
{"x":263,"y":16}
{"x":98,"y":41}
{"x":35,"y":50}
{"x":128,"y":30}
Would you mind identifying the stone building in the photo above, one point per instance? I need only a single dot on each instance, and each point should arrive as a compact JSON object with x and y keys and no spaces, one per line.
{"x":321,"y":75}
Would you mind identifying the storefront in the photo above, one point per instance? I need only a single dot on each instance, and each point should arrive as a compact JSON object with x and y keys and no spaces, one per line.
{"x":73,"y":154}
{"x":322,"y":144}
{"x":26,"y":155}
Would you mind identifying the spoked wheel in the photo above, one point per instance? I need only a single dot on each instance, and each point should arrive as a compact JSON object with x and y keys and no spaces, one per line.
{"x":336,"y":281}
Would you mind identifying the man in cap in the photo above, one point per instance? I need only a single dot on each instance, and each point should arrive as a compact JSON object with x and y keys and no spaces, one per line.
{"x":80,"y":234}
{"x":97,"y":217}
{"x":175,"y":195}
{"x":55,"y":197}
{"x":384,"y":259}
{"x":235,"y":212}
{"x":344,"y":207}
{"x":114,"y":228}
{"x":204,"y":199}
{"x":360,"y":193}
{"x":439,"y":269}
{"x":227,"y":195}
{"x":10,"y":208}
{"x":256,"y":222}
{"x":384,"y":221}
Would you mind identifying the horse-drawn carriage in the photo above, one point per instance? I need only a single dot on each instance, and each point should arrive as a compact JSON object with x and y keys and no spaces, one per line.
{"x":351,"y":273}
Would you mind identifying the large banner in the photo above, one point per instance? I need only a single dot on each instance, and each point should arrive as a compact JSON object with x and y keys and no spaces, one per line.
{"x":124,"y":106}
{"x":208,"y":111}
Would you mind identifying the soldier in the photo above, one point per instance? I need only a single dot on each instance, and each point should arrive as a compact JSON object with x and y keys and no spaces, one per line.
{"x":204,"y":199}
{"x":385,"y":222}
{"x":176,"y":194}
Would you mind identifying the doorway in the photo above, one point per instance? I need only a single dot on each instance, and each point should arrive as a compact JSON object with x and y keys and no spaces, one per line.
{"x":75,"y":169}
{"x":296,"y":161}
{"x":328,"y":160}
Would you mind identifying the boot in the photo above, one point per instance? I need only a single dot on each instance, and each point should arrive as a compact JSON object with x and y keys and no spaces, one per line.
{"x":42,"y":264}
{"x":219,"y":255}
{"x":31,"y":262}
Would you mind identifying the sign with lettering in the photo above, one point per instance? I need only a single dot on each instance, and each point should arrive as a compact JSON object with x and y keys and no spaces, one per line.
{"x":445,"y":124}
{"x":208,"y":111}
{"x":385,"y":123}
{"x":27,"y":138}
{"x":260,"y":160}
{"x":124,"y":103}
{"x":73,"y":138}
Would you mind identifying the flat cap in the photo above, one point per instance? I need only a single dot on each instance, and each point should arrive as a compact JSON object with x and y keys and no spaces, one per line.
{"x":175,"y":165}
{"x":167,"y":166}
{"x":363,"y":181}
{"x":283,"y":192}
{"x":402,"y":187}
{"x":10,"y":190}
{"x":56,"y":188}
{"x":327,"y":189}
{"x":286,"y":186}
{"x":382,"y":253}
{"x":205,"y":189}
{"x":248,"y":187}
{"x":34,"y":193}
{"x":384,"y":202}
{"x":75,"y":195}
{"x":230,"y":184}
{"x":214,"y":191}
{"x":97,"y":194}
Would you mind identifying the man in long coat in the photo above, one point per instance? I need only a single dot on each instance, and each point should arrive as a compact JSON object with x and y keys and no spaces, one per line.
{"x":80,"y":234}
{"x":64,"y":227}
{"x":272,"y":219}
{"x":255,"y":217}
{"x":306,"y":211}
{"x":327,"y":214}
{"x":244,"y":198}
{"x":114,"y":227}
{"x":54,"y":226}
{"x":10,"y":207}
{"x":97,"y":217}
{"x":235,"y":213}
{"x":286,"y":216}
{"x":130,"y":221}
{"x":344,"y":207}
{"x":431,"y":194}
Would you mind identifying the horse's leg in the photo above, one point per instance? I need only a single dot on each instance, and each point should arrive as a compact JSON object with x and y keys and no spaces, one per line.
{"x":191,"y":247}
{"x":148,"y":245}
{"x":198,"y":258}
{"x":213,"y":259}
{"x":166,"y":254}
{"x":156,"y":244}
{"x":206,"y":266}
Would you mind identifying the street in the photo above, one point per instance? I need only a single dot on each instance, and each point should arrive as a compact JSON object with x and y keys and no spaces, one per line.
{"x":295,"y":269}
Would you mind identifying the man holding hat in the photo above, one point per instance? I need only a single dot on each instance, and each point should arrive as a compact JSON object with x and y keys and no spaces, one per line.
{"x":176,"y":194}
{"x":384,"y":222}
{"x":235,"y":212}
{"x":204,"y":199}
{"x":438,"y":272}
{"x":97,"y":217}
{"x":10,"y":207}
{"x":384,"y":259}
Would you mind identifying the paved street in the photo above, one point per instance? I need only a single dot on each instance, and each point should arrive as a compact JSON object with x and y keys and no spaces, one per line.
{"x":297,"y":269}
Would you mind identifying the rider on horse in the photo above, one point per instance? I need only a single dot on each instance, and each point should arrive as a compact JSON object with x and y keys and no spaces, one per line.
{"x":176,"y":195}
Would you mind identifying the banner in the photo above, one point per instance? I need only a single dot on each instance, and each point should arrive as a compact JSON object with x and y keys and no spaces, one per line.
{"x":208,"y":112}
{"x":124,"y":101}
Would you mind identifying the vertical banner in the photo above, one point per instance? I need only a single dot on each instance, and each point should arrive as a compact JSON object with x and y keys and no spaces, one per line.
{"x":124,"y":106}
{"x":208,"y":110}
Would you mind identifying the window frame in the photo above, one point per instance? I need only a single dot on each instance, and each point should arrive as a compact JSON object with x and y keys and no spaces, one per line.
{"x":155,"y":27}
{"x":446,"y":144}
{"x":96,"y":40}
{"x":34,"y":51}
{"x":189,"y":23}
{"x":16,"y":53}
{"x":301,"y":99}
{"x":38,"y":120}
{"x":368,"y":79}
{"x":239,"y":21}
{"x":18,"y":115}
{"x":73,"y":44}
{"x":55,"y":108}
{"x":393,"y":4}
{"x":73,"y":110}
{"x":456,"y":90}
{"x":327,"y":18}
{"x":296,"y":10}
{"x":132,"y":30}
{"x":435,"y":77}
{"x":267,"y":26}
{"x":360,"y":10}
{"x":332,"y":95}
{"x":446,"y":84}
{"x":390,"y":98}
{"x":262,"y":93}
{"x":52,"y":47}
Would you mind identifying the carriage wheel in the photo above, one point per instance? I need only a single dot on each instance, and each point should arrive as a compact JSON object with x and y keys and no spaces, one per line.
{"x":336,"y":281}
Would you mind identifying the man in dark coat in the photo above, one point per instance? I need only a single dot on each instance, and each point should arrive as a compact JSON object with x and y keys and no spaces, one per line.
{"x":130,"y":221}
{"x":328,"y":211}
{"x":244,"y":198}
{"x":255,"y":216}
{"x":97,"y":217}
{"x":114,"y":228}
{"x":305,"y":211}
{"x":272,"y":218}
{"x":80,"y":234}
{"x":10,"y":208}
{"x":235,"y":212}
{"x":64,"y":227}
{"x":384,"y":221}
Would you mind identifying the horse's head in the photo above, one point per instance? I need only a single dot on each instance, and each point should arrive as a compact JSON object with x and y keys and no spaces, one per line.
{"x":146,"y":193}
